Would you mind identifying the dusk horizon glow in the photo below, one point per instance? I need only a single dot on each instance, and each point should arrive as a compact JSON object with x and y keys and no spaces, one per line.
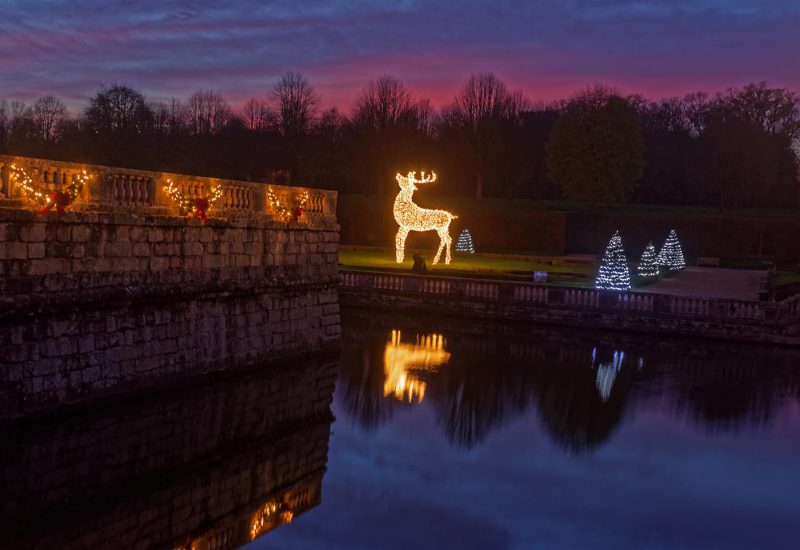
{"x":166,"y":49}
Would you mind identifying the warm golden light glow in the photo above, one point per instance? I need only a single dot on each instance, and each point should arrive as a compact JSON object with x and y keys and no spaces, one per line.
{"x":288,"y":214}
{"x":192,"y":207}
{"x":400,"y":360}
{"x":411,"y":217}
{"x":268,"y":516}
{"x":47,"y":199}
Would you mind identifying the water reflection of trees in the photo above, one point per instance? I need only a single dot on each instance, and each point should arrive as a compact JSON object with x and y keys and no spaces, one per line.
{"x":579,"y":390}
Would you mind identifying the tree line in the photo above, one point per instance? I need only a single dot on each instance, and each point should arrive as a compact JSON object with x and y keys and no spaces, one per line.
{"x":737,"y":148}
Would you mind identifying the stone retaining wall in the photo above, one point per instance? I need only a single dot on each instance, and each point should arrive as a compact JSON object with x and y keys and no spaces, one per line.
{"x":116,"y":295}
{"x":769,"y":322}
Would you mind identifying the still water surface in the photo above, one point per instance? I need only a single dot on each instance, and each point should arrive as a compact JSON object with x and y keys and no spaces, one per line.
{"x":460,"y":435}
{"x":448,"y":434}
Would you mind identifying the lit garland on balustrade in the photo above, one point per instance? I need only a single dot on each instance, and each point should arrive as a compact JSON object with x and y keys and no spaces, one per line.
{"x":648,"y":265}
{"x":613,"y":273}
{"x":266,"y":516}
{"x":59,"y":200}
{"x":671,"y":255}
{"x":195,"y":208}
{"x":411,"y":217}
{"x":464,"y":242}
{"x":400,"y":359}
{"x":288,"y":214}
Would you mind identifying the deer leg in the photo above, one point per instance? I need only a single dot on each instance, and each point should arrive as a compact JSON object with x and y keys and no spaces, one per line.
{"x":447,"y":253}
{"x":441,"y":247}
{"x":400,"y":244}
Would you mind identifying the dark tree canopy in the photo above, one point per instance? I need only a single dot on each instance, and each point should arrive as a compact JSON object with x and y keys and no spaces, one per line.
{"x":736,"y":148}
{"x":118,"y":119}
{"x":596,"y":152}
{"x":484,"y":115}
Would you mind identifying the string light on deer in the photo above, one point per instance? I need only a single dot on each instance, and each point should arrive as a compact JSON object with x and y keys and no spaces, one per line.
{"x":288,"y":214}
{"x":196,"y":208}
{"x":59,"y":200}
{"x":411,"y":217}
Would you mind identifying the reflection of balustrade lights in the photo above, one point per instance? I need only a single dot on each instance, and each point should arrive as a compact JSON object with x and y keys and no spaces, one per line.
{"x":268,"y":516}
{"x":400,"y":359}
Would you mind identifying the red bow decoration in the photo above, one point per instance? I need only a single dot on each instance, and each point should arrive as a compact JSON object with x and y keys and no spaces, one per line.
{"x":58,"y":199}
{"x":201,"y":205}
{"x":297,"y":213}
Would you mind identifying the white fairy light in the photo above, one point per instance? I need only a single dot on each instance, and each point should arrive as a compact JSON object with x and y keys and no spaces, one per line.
{"x":671,"y":255}
{"x":613,"y":273}
{"x":464,"y":242}
{"x":411,"y":217}
{"x":648,"y":265}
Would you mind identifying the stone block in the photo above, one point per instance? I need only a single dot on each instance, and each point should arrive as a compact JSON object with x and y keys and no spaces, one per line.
{"x":141,"y":249}
{"x":36,"y":250}
{"x":14,"y":251}
{"x":33,"y":233}
{"x":119,"y":249}
{"x":81,"y":234}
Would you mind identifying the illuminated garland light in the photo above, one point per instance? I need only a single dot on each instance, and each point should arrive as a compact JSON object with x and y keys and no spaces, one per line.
{"x":399,"y":359}
{"x":268,"y":516}
{"x":613,"y":273}
{"x":411,"y":217}
{"x":288,"y":214}
{"x":195,"y":208}
{"x":648,"y":265}
{"x":671,"y":255}
{"x":464,"y":242}
{"x":59,"y":200}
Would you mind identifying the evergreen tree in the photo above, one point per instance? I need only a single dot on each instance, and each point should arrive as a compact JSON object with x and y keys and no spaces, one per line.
{"x":613,"y":273}
{"x":464,"y":242}
{"x":671,"y":255}
{"x":648,"y":266}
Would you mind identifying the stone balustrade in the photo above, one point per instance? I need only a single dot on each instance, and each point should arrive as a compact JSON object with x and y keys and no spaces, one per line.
{"x":122,"y":189}
{"x":640,"y":311}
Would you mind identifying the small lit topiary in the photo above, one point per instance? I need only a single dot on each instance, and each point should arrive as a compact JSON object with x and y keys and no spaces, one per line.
{"x":613,"y":273}
{"x":464,"y":242}
{"x":671,"y":255}
{"x":648,"y":265}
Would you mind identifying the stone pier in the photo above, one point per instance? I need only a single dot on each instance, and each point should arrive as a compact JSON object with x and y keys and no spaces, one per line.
{"x":122,"y":292}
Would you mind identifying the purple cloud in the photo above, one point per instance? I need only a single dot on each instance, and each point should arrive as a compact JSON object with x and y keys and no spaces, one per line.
{"x":168,"y":48}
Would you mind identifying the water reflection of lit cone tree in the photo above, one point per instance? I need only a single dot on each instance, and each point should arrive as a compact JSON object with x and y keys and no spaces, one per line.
{"x":402,"y":363}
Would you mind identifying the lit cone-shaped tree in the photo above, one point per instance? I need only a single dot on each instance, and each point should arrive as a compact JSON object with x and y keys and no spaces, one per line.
{"x":671,"y":255}
{"x":464,"y":242}
{"x":648,"y":266}
{"x":613,"y":273}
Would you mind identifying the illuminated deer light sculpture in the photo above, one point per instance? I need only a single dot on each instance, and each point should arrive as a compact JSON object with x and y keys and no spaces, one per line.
{"x":411,"y":217}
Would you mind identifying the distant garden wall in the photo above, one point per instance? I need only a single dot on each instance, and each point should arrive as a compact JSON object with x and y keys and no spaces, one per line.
{"x":501,"y":225}
{"x":494,"y":224}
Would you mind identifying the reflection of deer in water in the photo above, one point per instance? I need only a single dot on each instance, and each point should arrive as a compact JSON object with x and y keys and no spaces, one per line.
{"x":411,"y":217}
{"x":399,"y":360}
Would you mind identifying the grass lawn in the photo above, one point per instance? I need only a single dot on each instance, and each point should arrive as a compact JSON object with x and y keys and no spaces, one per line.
{"x":521,"y":268}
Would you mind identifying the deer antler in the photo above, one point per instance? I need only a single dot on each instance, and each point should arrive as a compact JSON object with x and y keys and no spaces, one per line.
{"x":425,"y":179}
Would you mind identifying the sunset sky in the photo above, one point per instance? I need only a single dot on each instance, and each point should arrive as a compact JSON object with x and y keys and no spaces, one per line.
{"x":547,"y":49}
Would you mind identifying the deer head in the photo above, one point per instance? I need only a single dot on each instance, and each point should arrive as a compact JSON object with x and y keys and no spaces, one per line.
{"x":407,"y":183}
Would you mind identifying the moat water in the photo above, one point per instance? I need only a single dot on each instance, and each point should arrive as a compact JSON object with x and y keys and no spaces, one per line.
{"x":447,"y":434}
{"x":501,"y":437}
